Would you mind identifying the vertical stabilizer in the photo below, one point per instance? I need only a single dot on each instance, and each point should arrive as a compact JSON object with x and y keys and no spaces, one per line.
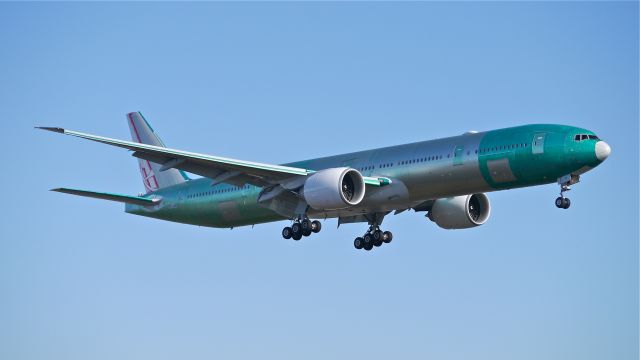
{"x":152,"y":177}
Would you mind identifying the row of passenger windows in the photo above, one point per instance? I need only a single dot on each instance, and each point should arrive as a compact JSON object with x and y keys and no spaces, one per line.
{"x":365,"y":168}
{"x":404,"y":162}
{"x":420,"y":160}
{"x":503,"y":147}
{"x":581,"y":137}
{"x":440,"y":157}
{"x":217,"y":191}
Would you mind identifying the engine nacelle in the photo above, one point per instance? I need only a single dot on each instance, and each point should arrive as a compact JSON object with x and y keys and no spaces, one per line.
{"x":335,"y":188}
{"x":461,"y":212}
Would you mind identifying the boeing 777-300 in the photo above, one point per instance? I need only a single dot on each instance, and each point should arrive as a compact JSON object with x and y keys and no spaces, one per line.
{"x":446,"y":178}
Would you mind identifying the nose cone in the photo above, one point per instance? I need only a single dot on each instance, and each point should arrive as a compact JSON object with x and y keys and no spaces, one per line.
{"x":603,"y":150}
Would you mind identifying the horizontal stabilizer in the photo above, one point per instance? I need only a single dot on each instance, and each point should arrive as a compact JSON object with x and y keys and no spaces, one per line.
{"x":135,"y":200}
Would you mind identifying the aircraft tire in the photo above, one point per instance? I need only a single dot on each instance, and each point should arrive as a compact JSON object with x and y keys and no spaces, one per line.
{"x":387,"y":236}
{"x":316,"y":226}
{"x":306,"y":225}
{"x":297,"y":231}
{"x":287,"y":232}
{"x":367,"y":240}
{"x":358,"y":243}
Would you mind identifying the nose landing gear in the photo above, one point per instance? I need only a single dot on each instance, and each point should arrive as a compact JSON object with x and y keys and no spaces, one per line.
{"x":565,"y":183}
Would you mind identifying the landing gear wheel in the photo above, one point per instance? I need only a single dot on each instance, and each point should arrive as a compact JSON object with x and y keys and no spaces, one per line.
{"x":316,"y":226}
{"x":358,"y":243}
{"x":368,"y":247}
{"x":306,"y":226}
{"x":377,"y":238}
{"x":306,"y":232}
{"x":287,"y":232}
{"x":563,"y":203}
{"x":296,"y":230}
{"x":560,"y":202}
{"x":368,"y":241}
{"x":387,"y":236}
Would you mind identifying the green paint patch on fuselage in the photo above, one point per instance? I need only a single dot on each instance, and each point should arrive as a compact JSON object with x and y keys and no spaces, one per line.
{"x":533,"y":155}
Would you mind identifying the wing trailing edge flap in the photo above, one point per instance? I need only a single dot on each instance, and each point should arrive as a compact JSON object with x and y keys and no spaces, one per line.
{"x":217,"y":176}
{"x":127,"y":199}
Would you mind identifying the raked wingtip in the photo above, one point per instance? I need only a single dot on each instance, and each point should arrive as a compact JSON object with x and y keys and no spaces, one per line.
{"x":54,"y":129}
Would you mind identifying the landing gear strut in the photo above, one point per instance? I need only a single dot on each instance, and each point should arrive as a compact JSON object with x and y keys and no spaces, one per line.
{"x":565,"y":183}
{"x":301,"y":227}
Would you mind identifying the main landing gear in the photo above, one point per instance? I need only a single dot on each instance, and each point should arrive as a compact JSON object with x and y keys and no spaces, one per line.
{"x":300,"y":228}
{"x":373,"y":237}
{"x":565,"y":183}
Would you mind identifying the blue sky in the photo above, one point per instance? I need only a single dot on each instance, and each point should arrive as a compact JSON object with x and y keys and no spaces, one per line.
{"x":280,"y":82}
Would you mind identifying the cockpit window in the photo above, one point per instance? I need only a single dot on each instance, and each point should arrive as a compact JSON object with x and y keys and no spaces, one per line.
{"x":581,"y":137}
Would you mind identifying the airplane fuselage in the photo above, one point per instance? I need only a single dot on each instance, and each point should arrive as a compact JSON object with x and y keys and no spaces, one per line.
{"x":467,"y":164}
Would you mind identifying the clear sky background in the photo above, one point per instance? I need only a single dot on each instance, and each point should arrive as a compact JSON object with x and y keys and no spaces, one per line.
{"x":80,"y":279}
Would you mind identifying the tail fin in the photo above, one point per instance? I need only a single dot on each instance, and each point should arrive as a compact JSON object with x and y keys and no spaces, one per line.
{"x":152,"y":177}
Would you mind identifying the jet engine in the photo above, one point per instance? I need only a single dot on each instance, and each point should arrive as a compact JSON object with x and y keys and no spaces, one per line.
{"x":461,"y":212}
{"x":335,"y":188}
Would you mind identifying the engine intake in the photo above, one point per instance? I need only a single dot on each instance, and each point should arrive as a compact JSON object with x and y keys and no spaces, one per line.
{"x":461,"y":212}
{"x":335,"y":188}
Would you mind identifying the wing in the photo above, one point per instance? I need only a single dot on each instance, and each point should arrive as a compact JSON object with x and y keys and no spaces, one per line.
{"x":127,"y":199}
{"x":219,"y":169}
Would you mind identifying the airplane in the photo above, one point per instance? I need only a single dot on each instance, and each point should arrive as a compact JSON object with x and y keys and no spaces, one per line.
{"x":445,"y":178}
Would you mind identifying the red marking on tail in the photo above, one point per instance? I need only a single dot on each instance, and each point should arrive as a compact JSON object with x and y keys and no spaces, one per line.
{"x":145,"y":179}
